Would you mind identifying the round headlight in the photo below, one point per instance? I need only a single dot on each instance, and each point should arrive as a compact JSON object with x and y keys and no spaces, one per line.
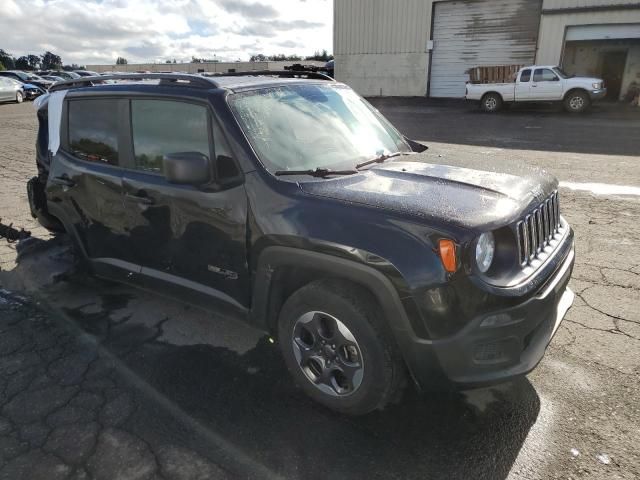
{"x":485,"y":248}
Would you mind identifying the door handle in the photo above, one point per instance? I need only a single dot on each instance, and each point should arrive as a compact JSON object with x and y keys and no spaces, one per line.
{"x":64,"y":181}
{"x":144,"y":200}
{"x":534,"y":86}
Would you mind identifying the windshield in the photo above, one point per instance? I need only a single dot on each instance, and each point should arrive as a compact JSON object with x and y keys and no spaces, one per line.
{"x":561,"y":72}
{"x":22,"y":76}
{"x":310,"y":126}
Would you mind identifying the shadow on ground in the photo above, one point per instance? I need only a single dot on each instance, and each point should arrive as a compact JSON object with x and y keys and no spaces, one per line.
{"x":528,"y":127}
{"x":248,"y":398}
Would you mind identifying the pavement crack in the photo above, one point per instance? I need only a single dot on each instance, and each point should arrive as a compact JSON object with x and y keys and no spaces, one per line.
{"x":614,"y":317}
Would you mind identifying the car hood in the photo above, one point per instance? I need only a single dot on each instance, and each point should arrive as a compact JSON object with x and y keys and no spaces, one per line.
{"x":587,"y":79}
{"x":467,"y":198}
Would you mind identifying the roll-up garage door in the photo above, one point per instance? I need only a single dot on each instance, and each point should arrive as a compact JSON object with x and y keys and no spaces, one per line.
{"x":471,"y":33}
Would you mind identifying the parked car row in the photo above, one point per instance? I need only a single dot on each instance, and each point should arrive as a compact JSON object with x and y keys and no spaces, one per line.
{"x":18,"y":85}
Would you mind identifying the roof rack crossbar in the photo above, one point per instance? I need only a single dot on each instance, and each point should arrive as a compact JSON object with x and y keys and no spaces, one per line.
{"x":194,"y":80}
{"x":272,"y":73}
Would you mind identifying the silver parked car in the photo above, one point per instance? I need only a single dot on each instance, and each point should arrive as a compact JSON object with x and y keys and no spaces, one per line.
{"x":11,"y":91}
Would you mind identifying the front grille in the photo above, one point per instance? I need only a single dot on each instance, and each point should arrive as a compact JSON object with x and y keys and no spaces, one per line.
{"x":538,"y":228}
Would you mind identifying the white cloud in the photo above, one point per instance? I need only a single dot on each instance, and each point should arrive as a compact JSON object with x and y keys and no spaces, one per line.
{"x":98,"y":31}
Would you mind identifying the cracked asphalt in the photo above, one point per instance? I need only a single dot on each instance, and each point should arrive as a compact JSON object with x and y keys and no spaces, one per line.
{"x":98,"y":380}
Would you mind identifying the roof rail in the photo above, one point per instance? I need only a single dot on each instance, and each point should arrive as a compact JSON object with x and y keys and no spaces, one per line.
{"x":193,"y":80}
{"x":272,"y":73}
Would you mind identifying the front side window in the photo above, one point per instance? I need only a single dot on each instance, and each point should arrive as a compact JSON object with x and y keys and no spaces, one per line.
{"x":93,"y":130}
{"x":163,"y":127}
{"x":525,"y":76}
{"x":544,"y":75}
{"x":310,"y":126}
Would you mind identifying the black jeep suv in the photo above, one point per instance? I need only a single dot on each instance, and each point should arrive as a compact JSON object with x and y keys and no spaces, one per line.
{"x":286,"y":200}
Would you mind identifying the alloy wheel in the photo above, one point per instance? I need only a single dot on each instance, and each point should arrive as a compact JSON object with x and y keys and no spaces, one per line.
{"x":576,"y":103}
{"x":328,"y":353}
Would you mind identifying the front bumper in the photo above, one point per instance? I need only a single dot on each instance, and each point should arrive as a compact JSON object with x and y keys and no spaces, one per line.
{"x":598,"y":94}
{"x":499,"y":346}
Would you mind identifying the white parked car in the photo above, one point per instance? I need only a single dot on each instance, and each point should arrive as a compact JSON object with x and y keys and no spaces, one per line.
{"x":539,"y":83}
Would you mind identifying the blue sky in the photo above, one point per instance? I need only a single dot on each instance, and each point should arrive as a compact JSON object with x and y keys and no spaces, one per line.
{"x":98,"y":31}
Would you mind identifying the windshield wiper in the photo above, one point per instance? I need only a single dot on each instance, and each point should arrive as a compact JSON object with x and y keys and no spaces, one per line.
{"x":381,"y":158}
{"x":318,"y":172}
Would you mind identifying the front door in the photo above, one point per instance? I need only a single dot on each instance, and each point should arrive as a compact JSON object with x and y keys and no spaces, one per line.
{"x":190,"y":236}
{"x":546,"y":85}
{"x":613,"y":64}
{"x":7,"y":92}
{"x":84,"y":187}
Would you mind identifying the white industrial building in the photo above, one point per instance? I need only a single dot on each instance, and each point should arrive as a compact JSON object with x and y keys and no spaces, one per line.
{"x":425,"y":47}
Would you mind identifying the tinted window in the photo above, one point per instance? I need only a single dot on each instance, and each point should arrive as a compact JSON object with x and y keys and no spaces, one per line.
{"x":544,"y":75}
{"x":525,"y":76}
{"x":163,"y":127}
{"x":93,"y":130}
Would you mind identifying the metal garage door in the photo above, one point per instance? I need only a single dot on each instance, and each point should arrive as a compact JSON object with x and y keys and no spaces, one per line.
{"x":471,"y":33}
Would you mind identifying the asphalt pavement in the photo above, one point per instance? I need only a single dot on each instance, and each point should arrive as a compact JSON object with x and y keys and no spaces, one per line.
{"x":210,"y":398}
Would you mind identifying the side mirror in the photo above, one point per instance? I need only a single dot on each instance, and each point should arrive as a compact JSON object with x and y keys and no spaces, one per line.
{"x":186,"y":168}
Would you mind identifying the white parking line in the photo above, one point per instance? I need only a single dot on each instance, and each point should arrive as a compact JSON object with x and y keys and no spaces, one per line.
{"x":602,"y":188}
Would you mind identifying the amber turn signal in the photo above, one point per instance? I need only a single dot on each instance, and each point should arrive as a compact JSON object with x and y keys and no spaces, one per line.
{"x":447,"y":250}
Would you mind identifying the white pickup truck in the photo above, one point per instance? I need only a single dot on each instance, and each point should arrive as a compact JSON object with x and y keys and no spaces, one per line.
{"x":539,"y":83}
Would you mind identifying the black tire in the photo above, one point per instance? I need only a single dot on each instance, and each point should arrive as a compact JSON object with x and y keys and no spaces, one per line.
{"x":383,"y":374}
{"x":577,"y":102}
{"x":19,"y":97}
{"x":491,"y":103}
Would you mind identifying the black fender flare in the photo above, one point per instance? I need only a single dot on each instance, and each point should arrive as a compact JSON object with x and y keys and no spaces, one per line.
{"x":271,"y":258}
{"x":377,"y":283}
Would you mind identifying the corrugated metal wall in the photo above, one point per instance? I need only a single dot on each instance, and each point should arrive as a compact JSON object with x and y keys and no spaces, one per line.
{"x":553,"y":4}
{"x":381,"y":26}
{"x":469,"y":33}
{"x":553,"y":25}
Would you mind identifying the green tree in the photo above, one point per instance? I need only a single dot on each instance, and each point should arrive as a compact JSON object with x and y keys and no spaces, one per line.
{"x":2,"y":67}
{"x":22,"y":63}
{"x":51,"y":61}
{"x":121,"y":61}
{"x":7,"y":60}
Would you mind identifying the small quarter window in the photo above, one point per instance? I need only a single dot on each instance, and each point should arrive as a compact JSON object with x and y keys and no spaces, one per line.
{"x":93,"y":130}
{"x":525,"y":76}
{"x":163,"y":127}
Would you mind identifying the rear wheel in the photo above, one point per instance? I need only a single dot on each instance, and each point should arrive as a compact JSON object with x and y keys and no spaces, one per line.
{"x":19,"y":97}
{"x":491,"y":102}
{"x":337,"y":348}
{"x":577,"y":102}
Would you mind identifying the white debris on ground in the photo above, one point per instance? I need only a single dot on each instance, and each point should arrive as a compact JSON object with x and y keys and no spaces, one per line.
{"x":604,"y":458}
{"x":575,"y":452}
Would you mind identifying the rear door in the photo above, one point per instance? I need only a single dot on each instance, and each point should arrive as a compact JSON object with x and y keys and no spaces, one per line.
{"x":546,"y":85}
{"x":84,"y":188}
{"x":192,"y":237}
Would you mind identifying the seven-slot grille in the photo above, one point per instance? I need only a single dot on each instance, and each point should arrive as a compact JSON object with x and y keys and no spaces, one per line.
{"x":538,"y":228}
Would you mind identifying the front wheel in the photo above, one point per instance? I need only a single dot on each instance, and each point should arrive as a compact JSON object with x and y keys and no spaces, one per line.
{"x":337,"y":348}
{"x":19,"y":97}
{"x":577,"y":102}
{"x":491,"y":102}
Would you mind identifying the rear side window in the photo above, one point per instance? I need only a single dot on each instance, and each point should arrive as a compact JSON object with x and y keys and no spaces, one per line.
{"x":525,"y":76}
{"x":544,"y":75}
{"x":93,"y":130}
{"x":163,"y":127}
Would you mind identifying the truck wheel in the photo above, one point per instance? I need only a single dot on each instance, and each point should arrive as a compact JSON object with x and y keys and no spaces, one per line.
{"x":491,"y":102}
{"x":337,"y":347}
{"x":19,"y":97}
{"x":577,"y":102}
